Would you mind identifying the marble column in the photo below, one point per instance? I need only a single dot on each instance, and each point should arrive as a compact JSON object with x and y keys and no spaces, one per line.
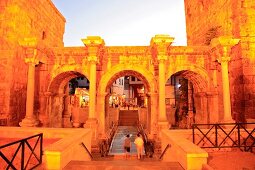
{"x":226,"y":91}
{"x":222,"y":46}
{"x":160,"y":45}
{"x":162,"y":119}
{"x":190,"y":106}
{"x":92,"y":90}
{"x":154,"y":116}
{"x":162,"y":92}
{"x":30,"y":119}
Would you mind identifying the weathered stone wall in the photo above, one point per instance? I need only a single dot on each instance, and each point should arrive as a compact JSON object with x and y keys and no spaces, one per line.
{"x":21,"y":19}
{"x":246,"y":19}
{"x":207,"y":19}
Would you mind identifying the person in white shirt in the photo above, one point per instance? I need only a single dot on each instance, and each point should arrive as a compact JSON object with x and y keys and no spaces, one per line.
{"x":139,"y":145}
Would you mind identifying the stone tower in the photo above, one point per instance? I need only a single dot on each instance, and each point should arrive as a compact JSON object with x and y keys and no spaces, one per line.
{"x":208,"y":19}
{"x":21,"y":19}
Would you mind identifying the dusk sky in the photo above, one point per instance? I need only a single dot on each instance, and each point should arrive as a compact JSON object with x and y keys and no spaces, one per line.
{"x":122,"y":22}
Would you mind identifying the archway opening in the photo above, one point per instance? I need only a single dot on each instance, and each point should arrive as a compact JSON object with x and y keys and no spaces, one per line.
{"x":68,"y":104}
{"x":127,"y":101}
{"x":184,"y":104}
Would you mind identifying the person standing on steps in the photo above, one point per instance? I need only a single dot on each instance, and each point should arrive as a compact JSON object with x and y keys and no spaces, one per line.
{"x":139,"y":145}
{"x":127,"y":146}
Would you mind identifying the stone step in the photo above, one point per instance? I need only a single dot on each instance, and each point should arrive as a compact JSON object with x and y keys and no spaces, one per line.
{"x":123,"y":165}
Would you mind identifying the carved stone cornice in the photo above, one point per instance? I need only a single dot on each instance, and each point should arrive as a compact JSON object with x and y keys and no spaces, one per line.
{"x":222,"y":47}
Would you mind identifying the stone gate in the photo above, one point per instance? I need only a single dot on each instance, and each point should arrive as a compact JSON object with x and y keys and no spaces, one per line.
{"x":36,"y":67}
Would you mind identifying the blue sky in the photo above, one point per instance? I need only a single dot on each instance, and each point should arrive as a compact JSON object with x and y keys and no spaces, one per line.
{"x":122,"y":22}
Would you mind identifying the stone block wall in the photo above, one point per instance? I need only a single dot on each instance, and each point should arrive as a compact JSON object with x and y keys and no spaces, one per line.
{"x":247,"y":36}
{"x":21,"y":19}
{"x":207,"y":19}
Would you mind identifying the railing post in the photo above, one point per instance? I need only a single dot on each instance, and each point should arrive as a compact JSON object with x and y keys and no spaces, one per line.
{"x":216,"y":135}
{"x":22,"y":154}
{"x":238,"y":135}
{"x":193,"y":132}
{"x":41,"y":147}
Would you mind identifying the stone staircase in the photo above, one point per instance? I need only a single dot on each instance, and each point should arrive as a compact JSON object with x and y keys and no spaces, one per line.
{"x":128,"y":117}
{"x":116,"y":159}
{"x":123,"y":165}
{"x":119,"y":137}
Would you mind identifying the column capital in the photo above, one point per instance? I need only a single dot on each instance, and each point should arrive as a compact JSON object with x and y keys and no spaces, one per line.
{"x":32,"y":60}
{"x":92,"y":59}
{"x":94,"y":45}
{"x":161,"y":43}
{"x":224,"y":41}
{"x":30,"y":46}
{"x":222,"y":46}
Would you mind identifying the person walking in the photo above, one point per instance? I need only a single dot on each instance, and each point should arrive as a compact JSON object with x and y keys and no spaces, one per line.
{"x":127,"y":146}
{"x":139,"y":145}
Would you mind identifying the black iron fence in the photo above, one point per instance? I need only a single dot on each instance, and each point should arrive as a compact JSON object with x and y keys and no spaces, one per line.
{"x":105,"y":143}
{"x":22,"y":154}
{"x":225,"y":135}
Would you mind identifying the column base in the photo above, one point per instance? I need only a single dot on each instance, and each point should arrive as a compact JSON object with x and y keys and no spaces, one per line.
{"x":228,"y":121}
{"x":91,"y":123}
{"x":76,"y":124}
{"x":29,"y":122}
{"x":163,"y":125}
{"x":66,"y":122}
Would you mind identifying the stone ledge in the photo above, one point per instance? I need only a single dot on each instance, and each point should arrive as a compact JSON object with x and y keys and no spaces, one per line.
{"x":189,"y":155}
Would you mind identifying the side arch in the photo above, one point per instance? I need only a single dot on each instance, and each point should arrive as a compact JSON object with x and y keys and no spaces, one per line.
{"x":197,"y":75}
{"x":205,"y":98}
{"x":62,"y":75}
{"x":58,"y":99}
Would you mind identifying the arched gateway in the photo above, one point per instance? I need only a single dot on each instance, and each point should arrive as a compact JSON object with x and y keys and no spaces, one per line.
{"x":182,"y":84}
{"x":120,"y":70}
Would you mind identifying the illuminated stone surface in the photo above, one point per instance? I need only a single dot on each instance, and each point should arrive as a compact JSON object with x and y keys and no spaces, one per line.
{"x":56,"y":65}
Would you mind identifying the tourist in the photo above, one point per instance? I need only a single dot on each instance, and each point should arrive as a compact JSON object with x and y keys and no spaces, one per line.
{"x":139,"y":145}
{"x":127,"y":146}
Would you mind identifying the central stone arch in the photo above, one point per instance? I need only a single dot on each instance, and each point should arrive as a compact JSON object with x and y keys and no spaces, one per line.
{"x":148,"y":76}
{"x":121,"y":70}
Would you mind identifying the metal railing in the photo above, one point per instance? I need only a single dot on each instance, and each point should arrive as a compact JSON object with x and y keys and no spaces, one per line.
{"x":163,"y":153}
{"x":84,"y":146}
{"x":105,"y":143}
{"x":27,"y":153}
{"x":225,"y":135}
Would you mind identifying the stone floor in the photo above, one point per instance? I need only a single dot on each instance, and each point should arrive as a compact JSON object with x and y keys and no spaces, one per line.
{"x":231,"y":160}
{"x":123,"y":165}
